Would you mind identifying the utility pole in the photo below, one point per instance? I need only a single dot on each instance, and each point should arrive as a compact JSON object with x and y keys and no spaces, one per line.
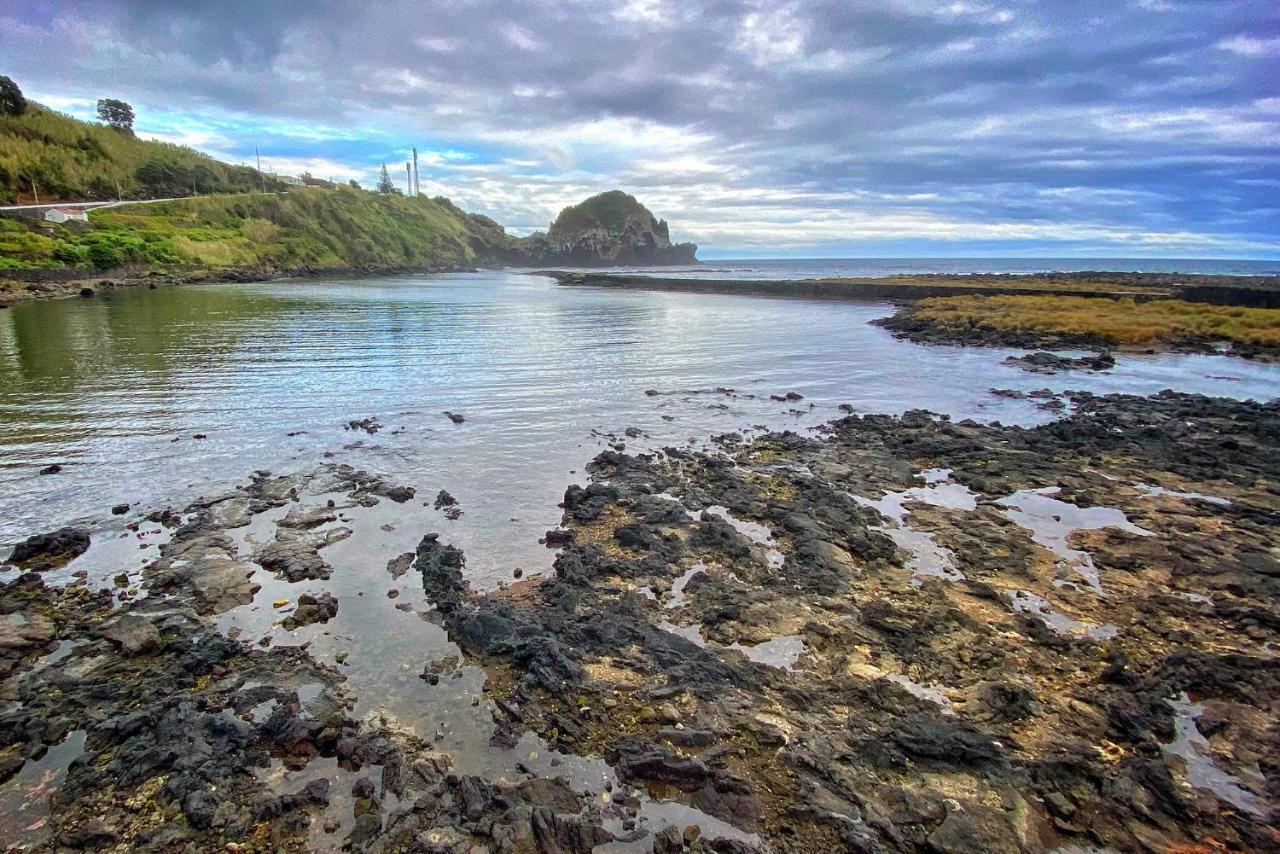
{"x":34,"y":191}
{"x":262,"y":178}
{"x":416,"y":188}
{"x":408,"y":180}
{"x":119,"y":195}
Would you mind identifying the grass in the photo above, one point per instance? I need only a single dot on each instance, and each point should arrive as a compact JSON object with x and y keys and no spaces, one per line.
{"x":306,"y":227}
{"x":70,"y":159}
{"x":1031,"y":282}
{"x":1118,"y":321}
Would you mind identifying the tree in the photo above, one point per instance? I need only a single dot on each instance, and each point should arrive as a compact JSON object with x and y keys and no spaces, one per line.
{"x":355,"y":185}
{"x":384,"y":182}
{"x":12,"y":103}
{"x":118,"y":114}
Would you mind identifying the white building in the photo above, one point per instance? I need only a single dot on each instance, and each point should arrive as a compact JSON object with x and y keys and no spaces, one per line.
{"x":66,"y":215}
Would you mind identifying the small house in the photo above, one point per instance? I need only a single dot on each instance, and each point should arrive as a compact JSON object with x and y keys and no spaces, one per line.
{"x":61,"y":215}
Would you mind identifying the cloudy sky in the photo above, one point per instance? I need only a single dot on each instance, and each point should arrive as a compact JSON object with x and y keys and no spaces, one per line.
{"x":897,"y":127}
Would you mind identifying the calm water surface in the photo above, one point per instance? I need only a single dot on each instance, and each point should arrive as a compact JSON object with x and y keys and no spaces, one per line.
{"x":816,"y":268}
{"x":114,"y":389}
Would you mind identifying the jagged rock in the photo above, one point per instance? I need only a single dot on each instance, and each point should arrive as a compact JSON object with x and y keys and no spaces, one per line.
{"x":135,"y":635}
{"x":50,"y":551}
{"x":312,"y":610}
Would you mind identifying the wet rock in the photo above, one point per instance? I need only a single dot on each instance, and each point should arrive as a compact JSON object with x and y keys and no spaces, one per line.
{"x":133,"y":634}
{"x":1050,"y":363}
{"x":51,"y":469}
{"x":295,"y":556}
{"x":927,"y":737}
{"x":441,"y":567}
{"x":455,"y":417}
{"x":656,"y":764}
{"x":43,"y":552}
{"x":400,"y":564}
{"x":119,"y":509}
{"x":369,"y":425}
{"x":312,"y":609}
{"x":974,"y":827}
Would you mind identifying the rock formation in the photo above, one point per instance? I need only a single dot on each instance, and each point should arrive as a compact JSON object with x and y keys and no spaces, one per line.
{"x":608,"y":230}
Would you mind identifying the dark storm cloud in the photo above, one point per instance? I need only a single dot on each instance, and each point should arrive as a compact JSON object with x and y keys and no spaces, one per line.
{"x":1150,"y":123}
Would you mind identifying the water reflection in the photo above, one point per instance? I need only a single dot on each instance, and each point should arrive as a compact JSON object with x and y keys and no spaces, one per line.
{"x":115,"y":388}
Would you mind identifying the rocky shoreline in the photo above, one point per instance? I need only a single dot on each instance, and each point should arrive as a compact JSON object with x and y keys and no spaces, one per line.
{"x":907,"y":325}
{"x":1258,"y":291}
{"x":896,"y":634}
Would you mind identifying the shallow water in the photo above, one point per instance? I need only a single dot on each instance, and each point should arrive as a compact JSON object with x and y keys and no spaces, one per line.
{"x":545,"y":377}
{"x":814,"y":268}
{"x":114,"y":388}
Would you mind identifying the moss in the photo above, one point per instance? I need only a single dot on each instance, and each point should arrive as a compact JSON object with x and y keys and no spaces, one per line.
{"x":1122,"y":321}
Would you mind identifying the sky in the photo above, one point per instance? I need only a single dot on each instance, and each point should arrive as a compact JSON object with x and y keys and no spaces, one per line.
{"x":1131,"y":128}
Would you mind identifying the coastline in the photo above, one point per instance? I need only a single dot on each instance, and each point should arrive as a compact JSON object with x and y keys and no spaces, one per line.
{"x":858,"y":640}
{"x":15,"y":290}
{"x":1144,"y":291}
{"x":1259,"y":291}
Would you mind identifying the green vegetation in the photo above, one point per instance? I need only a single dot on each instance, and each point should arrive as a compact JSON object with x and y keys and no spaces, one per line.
{"x":305,"y":228}
{"x":117,"y":114}
{"x":70,"y":159}
{"x":1119,"y":321}
{"x":385,"y":187}
{"x":610,"y":212}
{"x":12,"y":101}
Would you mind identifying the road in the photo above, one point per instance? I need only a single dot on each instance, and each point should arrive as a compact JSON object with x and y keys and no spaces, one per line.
{"x":98,"y":205}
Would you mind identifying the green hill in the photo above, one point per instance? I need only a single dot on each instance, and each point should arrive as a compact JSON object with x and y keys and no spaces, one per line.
{"x":306,"y":228}
{"x":229,"y":223}
{"x":73,"y":160}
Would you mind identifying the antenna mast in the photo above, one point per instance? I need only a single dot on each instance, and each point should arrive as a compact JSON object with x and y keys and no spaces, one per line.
{"x":416,"y":187}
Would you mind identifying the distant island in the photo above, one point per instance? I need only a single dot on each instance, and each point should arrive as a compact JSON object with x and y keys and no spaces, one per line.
{"x":194,"y":218}
{"x":608,"y":230}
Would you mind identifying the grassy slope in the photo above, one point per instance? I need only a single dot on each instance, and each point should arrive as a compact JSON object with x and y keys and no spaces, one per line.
{"x":74,"y":160}
{"x":305,"y":227}
{"x":1122,"y":321}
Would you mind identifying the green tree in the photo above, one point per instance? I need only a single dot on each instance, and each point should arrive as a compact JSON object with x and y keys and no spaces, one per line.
{"x":118,"y":114}
{"x":384,"y":182}
{"x":12,"y":103}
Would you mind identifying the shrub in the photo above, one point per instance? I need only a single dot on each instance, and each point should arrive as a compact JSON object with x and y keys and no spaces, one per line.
{"x":260,"y":230}
{"x":104,"y":256}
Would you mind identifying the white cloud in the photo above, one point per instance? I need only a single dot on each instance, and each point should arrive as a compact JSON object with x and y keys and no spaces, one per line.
{"x":771,"y":37}
{"x":520,"y":37}
{"x":1251,"y":47}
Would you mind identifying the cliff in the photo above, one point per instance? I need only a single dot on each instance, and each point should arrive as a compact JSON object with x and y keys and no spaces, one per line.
{"x":608,"y":230}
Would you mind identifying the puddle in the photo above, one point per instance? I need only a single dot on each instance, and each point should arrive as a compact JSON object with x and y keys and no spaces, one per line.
{"x":693,"y":633}
{"x":1151,"y":491}
{"x":928,"y":559}
{"x":1051,"y":522}
{"x":753,"y":531}
{"x":1196,"y":754}
{"x":677,"y":598}
{"x":932,"y":693}
{"x":781,"y":652}
{"x":24,"y":799}
{"x":1026,"y":602}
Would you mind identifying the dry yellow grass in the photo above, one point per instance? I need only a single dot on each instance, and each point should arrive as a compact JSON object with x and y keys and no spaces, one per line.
{"x":1031,"y":282}
{"x":1121,"y":321}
